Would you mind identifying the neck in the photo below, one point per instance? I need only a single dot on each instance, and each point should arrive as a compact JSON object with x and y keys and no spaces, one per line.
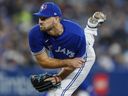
{"x":57,"y":29}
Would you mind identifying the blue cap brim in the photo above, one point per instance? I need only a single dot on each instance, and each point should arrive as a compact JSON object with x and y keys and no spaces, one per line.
{"x":40,"y":15}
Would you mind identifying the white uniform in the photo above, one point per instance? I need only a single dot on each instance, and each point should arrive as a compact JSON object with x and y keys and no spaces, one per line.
{"x":73,"y":81}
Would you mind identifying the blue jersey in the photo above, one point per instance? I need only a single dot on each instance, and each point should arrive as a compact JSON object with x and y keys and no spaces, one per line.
{"x":71,"y":43}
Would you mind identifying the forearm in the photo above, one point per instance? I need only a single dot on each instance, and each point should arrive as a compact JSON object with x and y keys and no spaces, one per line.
{"x":51,"y":63}
{"x":65,"y":72}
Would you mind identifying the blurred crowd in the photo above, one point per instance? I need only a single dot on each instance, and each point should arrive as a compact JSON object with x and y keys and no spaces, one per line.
{"x":111,"y":46}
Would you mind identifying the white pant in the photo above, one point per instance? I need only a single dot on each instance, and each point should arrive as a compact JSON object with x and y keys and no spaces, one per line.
{"x":73,"y":81}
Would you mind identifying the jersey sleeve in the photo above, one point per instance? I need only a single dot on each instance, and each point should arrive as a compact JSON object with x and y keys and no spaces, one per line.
{"x":36,"y":42}
{"x":81,"y":50}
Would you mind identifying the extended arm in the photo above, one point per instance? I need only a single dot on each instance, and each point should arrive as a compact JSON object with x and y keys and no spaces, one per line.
{"x":47,"y":62}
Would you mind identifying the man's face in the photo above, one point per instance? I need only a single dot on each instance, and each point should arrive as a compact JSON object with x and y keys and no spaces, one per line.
{"x":46,"y":24}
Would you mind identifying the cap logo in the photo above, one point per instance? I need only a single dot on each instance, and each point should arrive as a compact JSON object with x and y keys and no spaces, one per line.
{"x":44,"y":6}
{"x":55,"y":13}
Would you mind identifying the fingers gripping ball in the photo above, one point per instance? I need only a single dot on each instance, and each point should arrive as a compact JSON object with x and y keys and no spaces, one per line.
{"x":40,"y":84}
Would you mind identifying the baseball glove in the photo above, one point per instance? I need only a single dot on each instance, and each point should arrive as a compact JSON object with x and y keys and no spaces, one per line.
{"x":41,"y":84}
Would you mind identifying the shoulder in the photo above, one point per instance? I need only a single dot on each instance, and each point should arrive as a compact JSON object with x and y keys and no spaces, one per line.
{"x":73,"y":27}
{"x":35,"y":32}
{"x":35,"y":29}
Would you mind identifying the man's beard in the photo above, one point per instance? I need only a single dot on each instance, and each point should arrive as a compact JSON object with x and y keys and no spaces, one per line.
{"x":46,"y":28}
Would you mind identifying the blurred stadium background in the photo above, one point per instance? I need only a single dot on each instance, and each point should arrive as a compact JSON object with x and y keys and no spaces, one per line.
{"x":109,"y":75}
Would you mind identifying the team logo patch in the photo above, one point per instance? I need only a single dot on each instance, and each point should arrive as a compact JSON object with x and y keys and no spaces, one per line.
{"x":43,"y":7}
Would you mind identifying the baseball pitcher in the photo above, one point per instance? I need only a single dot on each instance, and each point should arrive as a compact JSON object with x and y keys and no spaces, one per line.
{"x":71,"y":47}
